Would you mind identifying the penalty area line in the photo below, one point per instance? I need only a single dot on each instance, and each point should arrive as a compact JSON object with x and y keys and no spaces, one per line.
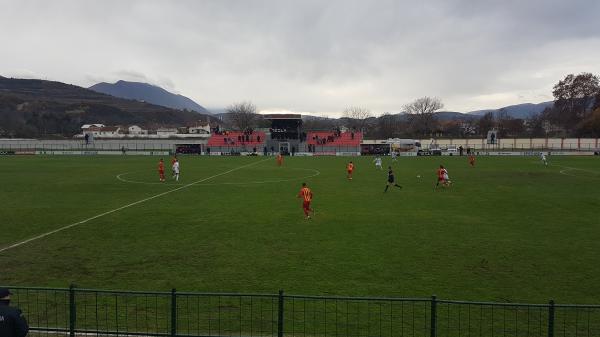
{"x":15,"y":245}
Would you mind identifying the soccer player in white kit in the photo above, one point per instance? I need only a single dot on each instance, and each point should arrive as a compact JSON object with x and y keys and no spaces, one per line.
{"x":176,"y":170}
{"x":543,"y":158}
{"x":394,"y":155}
{"x":377,"y":161}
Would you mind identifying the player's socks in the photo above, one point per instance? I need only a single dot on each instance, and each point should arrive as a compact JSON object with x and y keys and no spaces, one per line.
{"x":397,"y":185}
{"x":386,"y":188}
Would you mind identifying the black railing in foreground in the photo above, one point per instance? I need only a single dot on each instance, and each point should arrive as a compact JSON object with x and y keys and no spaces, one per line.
{"x":90,"y":312}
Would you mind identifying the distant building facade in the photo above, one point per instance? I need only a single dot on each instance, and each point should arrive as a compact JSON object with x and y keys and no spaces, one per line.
{"x":95,"y":131}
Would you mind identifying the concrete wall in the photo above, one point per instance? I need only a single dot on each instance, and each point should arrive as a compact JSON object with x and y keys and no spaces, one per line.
{"x":520,"y":143}
{"x":583,"y":144}
{"x":98,"y":144}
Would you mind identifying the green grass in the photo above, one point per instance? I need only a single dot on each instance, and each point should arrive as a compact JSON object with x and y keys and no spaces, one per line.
{"x":509,"y":229}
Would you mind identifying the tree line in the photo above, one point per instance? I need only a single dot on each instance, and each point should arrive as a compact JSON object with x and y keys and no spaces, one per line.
{"x":575,"y":113}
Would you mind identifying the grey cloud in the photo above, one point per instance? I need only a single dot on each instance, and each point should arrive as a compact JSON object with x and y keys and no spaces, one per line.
{"x":310,"y":55}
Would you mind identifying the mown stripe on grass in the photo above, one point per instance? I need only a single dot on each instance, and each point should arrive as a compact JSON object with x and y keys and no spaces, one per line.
{"x":15,"y":245}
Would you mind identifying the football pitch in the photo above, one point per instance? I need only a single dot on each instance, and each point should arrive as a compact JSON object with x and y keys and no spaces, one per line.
{"x":509,"y":229}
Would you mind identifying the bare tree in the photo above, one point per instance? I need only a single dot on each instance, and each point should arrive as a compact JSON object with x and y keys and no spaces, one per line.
{"x":318,"y":123}
{"x":502,"y":120}
{"x":389,"y":126}
{"x":242,"y":115}
{"x":422,"y":116}
{"x":573,"y":98}
{"x":357,"y":117}
{"x":424,"y":105}
{"x":486,"y":123}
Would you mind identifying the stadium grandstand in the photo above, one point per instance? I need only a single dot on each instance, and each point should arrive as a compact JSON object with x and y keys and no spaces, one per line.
{"x":236,"y":141}
{"x":287,"y":136}
{"x":332,"y":142}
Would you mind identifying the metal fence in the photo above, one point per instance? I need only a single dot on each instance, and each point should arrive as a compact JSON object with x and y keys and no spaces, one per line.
{"x":90,"y":312}
{"x":96,"y":146}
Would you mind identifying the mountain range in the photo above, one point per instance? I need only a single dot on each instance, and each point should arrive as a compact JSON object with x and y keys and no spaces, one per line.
{"x":32,"y":108}
{"x":153,"y":94}
{"x":523,"y":111}
{"x":517,"y":111}
{"x":148,"y":93}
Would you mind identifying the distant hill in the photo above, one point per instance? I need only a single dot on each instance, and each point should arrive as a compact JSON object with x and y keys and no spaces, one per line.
{"x":523,"y":111}
{"x":453,"y":115}
{"x":37,"y":108}
{"x":148,"y":93}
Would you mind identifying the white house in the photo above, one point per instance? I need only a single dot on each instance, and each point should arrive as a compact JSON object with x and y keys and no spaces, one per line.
{"x":166,"y":132}
{"x":110,"y":131}
{"x":135,"y":130}
{"x":85,"y":127}
{"x":200,"y":129}
{"x":103,"y":131}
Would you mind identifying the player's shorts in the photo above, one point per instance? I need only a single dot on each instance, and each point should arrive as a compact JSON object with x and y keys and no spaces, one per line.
{"x":446,"y":177}
{"x":390,"y":180}
{"x":161,"y":172}
{"x":440,"y":178}
{"x":349,"y":171}
{"x":306,"y":205}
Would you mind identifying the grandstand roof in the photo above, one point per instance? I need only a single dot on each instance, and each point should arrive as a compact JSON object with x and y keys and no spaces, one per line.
{"x":282,"y":116}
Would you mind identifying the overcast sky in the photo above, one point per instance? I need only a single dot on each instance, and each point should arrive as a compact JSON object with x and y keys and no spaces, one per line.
{"x":309,"y":56}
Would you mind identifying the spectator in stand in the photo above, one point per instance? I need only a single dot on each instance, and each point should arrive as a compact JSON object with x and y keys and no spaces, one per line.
{"x":12,"y":321}
{"x":352,"y":135}
{"x":258,"y":139}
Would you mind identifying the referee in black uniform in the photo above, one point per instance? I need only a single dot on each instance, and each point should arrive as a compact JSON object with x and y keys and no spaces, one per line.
{"x":391,"y":180}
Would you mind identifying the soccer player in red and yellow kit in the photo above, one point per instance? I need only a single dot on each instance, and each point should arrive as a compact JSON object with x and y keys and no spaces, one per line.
{"x":350,"y":169}
{"x":161,"y":170}
{"x":306,"y":195}
{"x":442,"y":174}
{"x":472,"y":160}
{"x":279,"y":159}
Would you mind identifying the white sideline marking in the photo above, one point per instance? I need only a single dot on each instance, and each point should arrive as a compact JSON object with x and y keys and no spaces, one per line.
{"x":95,"y":334}
{"x":315,"y":173}
{"x":568,"y":168}
{"x":123,"y":207}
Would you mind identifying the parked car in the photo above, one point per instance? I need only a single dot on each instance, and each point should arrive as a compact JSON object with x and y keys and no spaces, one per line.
{"x":435,"y":150}
{"x":452,"y":150}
